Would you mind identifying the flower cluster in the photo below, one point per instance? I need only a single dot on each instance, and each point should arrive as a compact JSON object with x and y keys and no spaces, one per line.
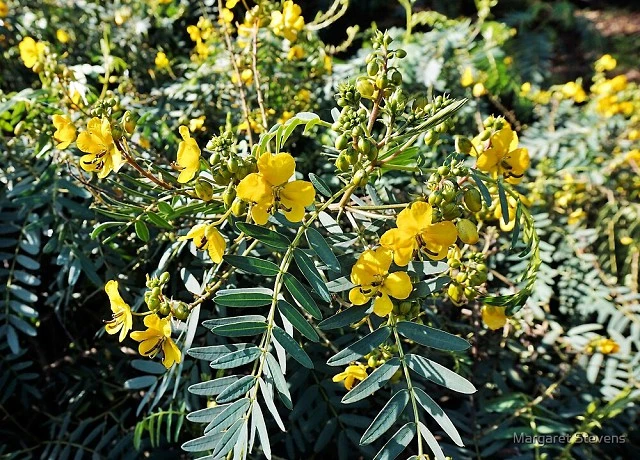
{"x":288,"y":22}
{"x":32,"y":52}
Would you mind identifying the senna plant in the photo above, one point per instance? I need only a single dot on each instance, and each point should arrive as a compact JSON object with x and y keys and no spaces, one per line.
{"x":286,"y":263}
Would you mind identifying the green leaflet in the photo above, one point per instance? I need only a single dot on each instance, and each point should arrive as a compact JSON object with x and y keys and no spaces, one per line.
{"x":374,"y":382}
{"x":360,"y":348}
{"x":323,"y":250}
{"x":312,"y":274}
{"x":297,"y":320}
{"x":270,"y":238}
{"x":301,"y":296}
{"x":252,"y":265}
{"x":439,"y":374}
{"x":386,"y":417}
{"x":430,"y":337}
{"x":429,"y":405}
{"x":292,"y":347}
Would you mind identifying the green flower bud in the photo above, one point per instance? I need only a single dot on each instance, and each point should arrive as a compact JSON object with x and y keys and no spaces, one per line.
{"x":181,"y":311}
{"x":455,"y":292}
{"x":238,"y":208}
{"x":463,"y":145}
{"x":165,"y":309}
{"x":472,"y":199}
{"x":204,"y":190}
{"x":128,"y":123}
{"x":229,"y":196}
{"x":400,"y":53}
{"x":373,"y":68}
{"x":164,"y":278}
{"x":342,"y":163}
{"x":467,"y":231}
{"x":342,"y":141}
{"x":396,"y":77}
{"x":232,"y":165}
{"x":365,"y":88}
{"x":360,"y":178}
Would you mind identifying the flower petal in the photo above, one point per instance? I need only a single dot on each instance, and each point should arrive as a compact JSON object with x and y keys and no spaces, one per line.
{"x":398,"y":285}
{"x":215,"y":244}
{"x":401,"y":243}
{"x":276,"y":169}
{"x":171,"y":353}
{"x":254,"y":188}
{"x":382,"y":305}
{"x":494,"y":317}
{"x":357,"y":297}
{"x":418,"y":216}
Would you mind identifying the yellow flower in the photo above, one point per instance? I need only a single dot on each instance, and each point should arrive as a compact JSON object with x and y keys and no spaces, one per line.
{"x":371,"y":276}
{"x":226,"y":16}
{"x":304,"y":95}
{"x":576,"y":216}
{"x":288,"y":22}
{"x":97,"y":142}
{"x":416,"y":231}
{"x":161,"y":60}
{"x":31,"y":51}
{"x":188,"y":156}
{"x":270,"y":189}
{"x":196,"y":124}
{"x":4,"y":9}
{"x":634,"y":135}
{"x":122,"y":320}
{"x":207,"y":236}
{"x":467,"y":77}
{"x":63,"y":36}
{"x":286,"y":115}
{"x":607,"y":346}
{"x":194,"y":33}
{"x":65,"y":131}
{"x":246,"y":76}
{"x":295,"y":52}
{"x":525,"y":88}
{"x":502,"y":157}
{"x":357,"y":372}
{"x":494,"y":317}
{"x":157,"y":337}
{"x":605,"y":63}
{"x":574,"y":91}
{"x":479,"y":90}
{"x":231,"y":3}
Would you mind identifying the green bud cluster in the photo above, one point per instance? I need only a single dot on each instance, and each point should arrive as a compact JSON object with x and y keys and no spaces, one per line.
{"x":467,"y":273}
{"x":348,"y":95}
{"x":380,"y":355}
{"x":161,"y":305}
{"x":408,"y":310}
{"x":491,"y":124}
{"x":227,"y":166}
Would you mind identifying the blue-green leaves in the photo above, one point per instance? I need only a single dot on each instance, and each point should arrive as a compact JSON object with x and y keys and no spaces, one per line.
{"x":301,"y":296}
{"x":322,"y":249}
{"x":292,"y":347}
{"x":297,"y":320}
{"x":373,"y":382}
{"x":430,"y":337}
{"x":245,"y":297}
{"x":270,"y":238}
{"x":310,"y":272}
{"x":253,"y":265}
{"x":386,"y":417}
{"x":439,"y":374}
{"x":360,"y":348}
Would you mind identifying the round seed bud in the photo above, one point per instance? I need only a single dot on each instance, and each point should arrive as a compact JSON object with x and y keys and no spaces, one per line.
{"x":382,"y":81}
{"x":463,"y":145}
{"x":467,"y":231}
{"x":229,"y":196}
{"x":405,"y":307}
{"x":472,"y":199}
{"x":156,"y":291}
{"x":400,"y":53}
{"x":365,"y":88}
{"x":360,"y":178}
{"x":373,"y":152}
{"x":153,"y":303}
{"x":164,"y":278}
{"x":450,"y":211}
{"x":165,"y":309}
{"x":128,"y":123}
{"x":214,"y":159}
{"x":371,"y":362}
{"x":181,"y":311}
{"x":342,"y":163}
{"x":232,"y":165}
{"x":342,"y":142}
{"x":352,"y":156}
{"x":372,"y":68}
{"x":396,"y":77}
{"x":204,"y":190}
{"x":364,"y":145}
{"x":238,"y":208}
{"x":470,"y":293}
{"x":461,"y":277}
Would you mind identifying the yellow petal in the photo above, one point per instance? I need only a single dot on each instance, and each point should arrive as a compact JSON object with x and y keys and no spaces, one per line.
{"x":494,"y":317}
{"x":298,"y":192}
{"x":255,"y":189}
{"x":171,"y":353}
{"x":397,"y":285}
{"x":339,"y":377}
{"x":401,"y":243}
{"x":382,"y":305}
{"x":117,"y":303}
{"x":90,"y":143}
{"x":150,"y":346}
{"x":356,"y":296}
{"x":188,"y":158}
{"x":276,"y":169}
{"x":215,"y":244}
{"x":113,"y":327}
{"x":418,"y":216}
{"x":260,"y":212}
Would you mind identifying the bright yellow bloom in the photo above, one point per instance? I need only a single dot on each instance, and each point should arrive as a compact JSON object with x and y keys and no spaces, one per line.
{"x":574,"y":91}
{"x":231,"y":3}
{"x":188,"y":156}
{"x":416,"y":231}
{"x":4,"y":9}
{"x":246,"y":76}
{"x":607,"y":346}
{"x":304,"y":95}
{"x":478,"y":90}
{"x":270,"y":189}
{"x":161,"y":60}
{"x":196,"y":124}
{"x":207,"y":236}
{"x":605,"y":63}
{"x":157,"y":337}
{"x":295,"y":52}
{"x":31,"y":51}
{"x":194,"y":33}
{"x":371,"y":276}
{"x":288,"y":22}
{"x":97,"y":142}
{"x":65,"y":131}
{"x":357,"y":372}
{"x":226,"y":16}
{"x":501,"y":156}
{"x":525,"y":88}
{"x":494,"y":317}
{"x":122,"y":320}
{"x":63,"y":36}
{"x":467,"y":77}
{"x":286,"y":115}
